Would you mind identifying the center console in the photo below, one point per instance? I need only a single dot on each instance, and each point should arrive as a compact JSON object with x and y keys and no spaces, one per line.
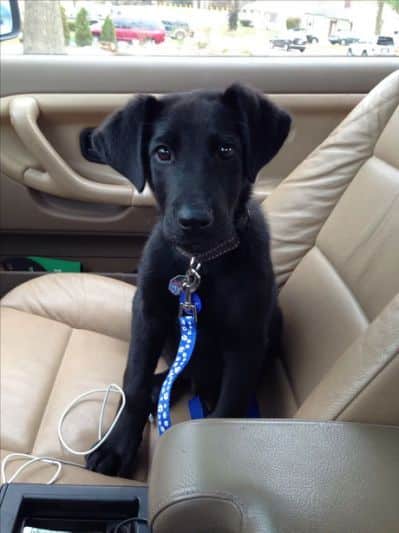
{"x":30,"y":508}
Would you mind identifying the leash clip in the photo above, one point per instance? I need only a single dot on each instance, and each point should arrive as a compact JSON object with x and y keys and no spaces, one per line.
{"x":192,"y":278}
{"x":190,"y":284}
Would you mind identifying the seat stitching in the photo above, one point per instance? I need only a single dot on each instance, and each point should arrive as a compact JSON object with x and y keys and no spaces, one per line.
{"x":63,"y":323}
{"x":372,"y":154}
{"x":383,"y":160}
{"x":365,"y":385}
{"x":52,"y":388}
{"x":348,"y":289}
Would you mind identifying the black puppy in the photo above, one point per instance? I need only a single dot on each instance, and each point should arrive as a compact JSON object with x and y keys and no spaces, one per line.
{"x":200,"y":153}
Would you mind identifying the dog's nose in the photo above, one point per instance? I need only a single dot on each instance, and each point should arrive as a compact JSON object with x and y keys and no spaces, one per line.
{"x":194,"y":219}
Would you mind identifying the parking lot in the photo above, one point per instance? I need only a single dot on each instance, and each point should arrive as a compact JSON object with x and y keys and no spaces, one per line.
{"x":210,"y":37}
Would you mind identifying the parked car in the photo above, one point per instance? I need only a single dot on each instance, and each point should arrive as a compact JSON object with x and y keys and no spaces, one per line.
{"x":289,"y":42}
{"x":305,"y":35}
{"x":381,"y":45}
{"x":177,"y":29}
{"x":343,"y":38}
{"x":131,"y":29}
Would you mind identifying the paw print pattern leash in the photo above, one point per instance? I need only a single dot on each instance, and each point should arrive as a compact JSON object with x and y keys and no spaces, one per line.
{"x":183,"y":286}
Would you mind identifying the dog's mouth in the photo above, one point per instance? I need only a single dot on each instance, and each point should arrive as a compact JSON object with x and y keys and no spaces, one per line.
{"x":199,"y":243}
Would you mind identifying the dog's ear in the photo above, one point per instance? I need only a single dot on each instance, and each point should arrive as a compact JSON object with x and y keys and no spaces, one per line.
{"x":121,"y":140}
{"x":264,"y":126}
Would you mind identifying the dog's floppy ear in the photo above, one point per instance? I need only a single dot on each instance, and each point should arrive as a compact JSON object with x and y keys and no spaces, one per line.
{"x":120,"y":141}
{"x":264,"y":126}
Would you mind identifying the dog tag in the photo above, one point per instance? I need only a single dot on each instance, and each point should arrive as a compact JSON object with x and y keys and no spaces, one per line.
{"x":176,"y":284}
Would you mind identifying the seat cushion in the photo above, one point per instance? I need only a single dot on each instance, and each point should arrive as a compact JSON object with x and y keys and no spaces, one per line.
{"x":61,"y":335}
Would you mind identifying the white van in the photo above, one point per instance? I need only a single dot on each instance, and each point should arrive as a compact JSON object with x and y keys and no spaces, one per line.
{"x":258,"y":14}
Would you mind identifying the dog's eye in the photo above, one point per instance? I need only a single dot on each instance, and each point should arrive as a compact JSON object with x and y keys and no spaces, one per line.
{"x":225,"y":151}
{"x":163,"y":153}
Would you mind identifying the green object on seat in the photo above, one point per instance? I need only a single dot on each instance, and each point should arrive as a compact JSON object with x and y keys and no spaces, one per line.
{"x":57,"y":265}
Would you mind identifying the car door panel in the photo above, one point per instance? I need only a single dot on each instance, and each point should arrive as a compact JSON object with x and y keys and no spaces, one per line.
{"x":63,"y":117}
{"x":74,"y":93}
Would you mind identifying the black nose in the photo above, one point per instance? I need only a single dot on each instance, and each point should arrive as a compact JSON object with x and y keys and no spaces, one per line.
{"x":190,"y":218}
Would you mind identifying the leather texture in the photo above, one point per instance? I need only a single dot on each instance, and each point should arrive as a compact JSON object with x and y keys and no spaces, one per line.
{"x":61,"y":335}
{"x":298,"y":209}
{"x":58,"y":340}
{"x":275,"y":477}
{"x":335,"y":224}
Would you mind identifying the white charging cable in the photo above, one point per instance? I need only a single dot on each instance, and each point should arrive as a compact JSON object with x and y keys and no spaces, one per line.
{"x":102,"y":438}
{"x":32,"y":459}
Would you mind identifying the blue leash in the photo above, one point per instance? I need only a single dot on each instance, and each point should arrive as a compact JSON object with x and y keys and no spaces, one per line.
{"x":189,"y":307}
{"x":185,"y":286}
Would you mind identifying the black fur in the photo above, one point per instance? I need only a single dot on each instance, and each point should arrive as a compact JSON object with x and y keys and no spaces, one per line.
{"x":203,"y":195}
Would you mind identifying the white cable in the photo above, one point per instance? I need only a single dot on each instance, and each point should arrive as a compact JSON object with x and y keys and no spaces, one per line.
{"x":102,"y":438}
{"x":32,"y":459}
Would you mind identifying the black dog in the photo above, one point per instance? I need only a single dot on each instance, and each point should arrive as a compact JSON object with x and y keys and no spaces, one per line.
{"x":200,"y":153}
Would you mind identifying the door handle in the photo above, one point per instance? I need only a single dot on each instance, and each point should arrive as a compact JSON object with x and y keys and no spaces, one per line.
{"x":58,"y":178}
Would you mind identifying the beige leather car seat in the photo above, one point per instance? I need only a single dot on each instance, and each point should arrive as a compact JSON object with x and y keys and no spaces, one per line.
{"x":335,"y":246}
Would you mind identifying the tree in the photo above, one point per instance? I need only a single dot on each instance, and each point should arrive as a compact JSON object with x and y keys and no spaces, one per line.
{"x":65,"y":26}
{"x":108,"y":31}
{"x":234,"y":7}
{"x":83,"y":36}
{"x":380,"y":10}
{"x":379,"y":20}
{"x":43,"y":33}
{"x":394,"y":4}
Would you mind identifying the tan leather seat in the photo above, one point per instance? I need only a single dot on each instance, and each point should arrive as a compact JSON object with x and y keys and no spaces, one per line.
{"x":335,"y":246}
{"x":61,"y":335}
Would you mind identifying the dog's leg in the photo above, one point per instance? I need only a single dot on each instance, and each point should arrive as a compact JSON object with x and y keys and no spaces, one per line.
{"x":239,"y":380}
{"x":116,"y":456}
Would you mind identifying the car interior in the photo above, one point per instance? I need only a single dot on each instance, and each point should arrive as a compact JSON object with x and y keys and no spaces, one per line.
{"x":323,"y":455}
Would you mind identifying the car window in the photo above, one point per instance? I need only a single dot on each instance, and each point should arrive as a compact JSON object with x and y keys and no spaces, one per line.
{"x":385,"y":41}
{"x":283,"y":28}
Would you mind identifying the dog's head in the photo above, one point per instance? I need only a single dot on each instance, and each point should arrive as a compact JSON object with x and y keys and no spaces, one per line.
{"x":199,"y":152}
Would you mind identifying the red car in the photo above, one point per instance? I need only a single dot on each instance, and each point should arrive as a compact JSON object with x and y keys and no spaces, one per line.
{"x":130,"y":29}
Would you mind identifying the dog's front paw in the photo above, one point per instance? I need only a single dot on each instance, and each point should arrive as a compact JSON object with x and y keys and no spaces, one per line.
{"x":116,"y":456}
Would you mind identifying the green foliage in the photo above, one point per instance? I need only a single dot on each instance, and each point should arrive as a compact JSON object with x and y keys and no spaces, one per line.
{"x":293,"y":22}
{"x":108,"y":32}
{"x":65,"y":26}
{"x":71,"y":25}
{"x":83,"y":36}
{"x":394,"y":4}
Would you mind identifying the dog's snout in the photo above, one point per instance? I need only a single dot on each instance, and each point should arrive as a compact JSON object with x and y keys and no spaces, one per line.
{"x":190,"y":218}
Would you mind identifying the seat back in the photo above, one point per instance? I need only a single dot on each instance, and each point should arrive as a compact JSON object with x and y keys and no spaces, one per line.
{"x":335,"y":247}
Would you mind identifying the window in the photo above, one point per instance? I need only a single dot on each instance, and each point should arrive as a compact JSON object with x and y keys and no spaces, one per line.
{"x":284,"y":28}
{"x":385,"y":41}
